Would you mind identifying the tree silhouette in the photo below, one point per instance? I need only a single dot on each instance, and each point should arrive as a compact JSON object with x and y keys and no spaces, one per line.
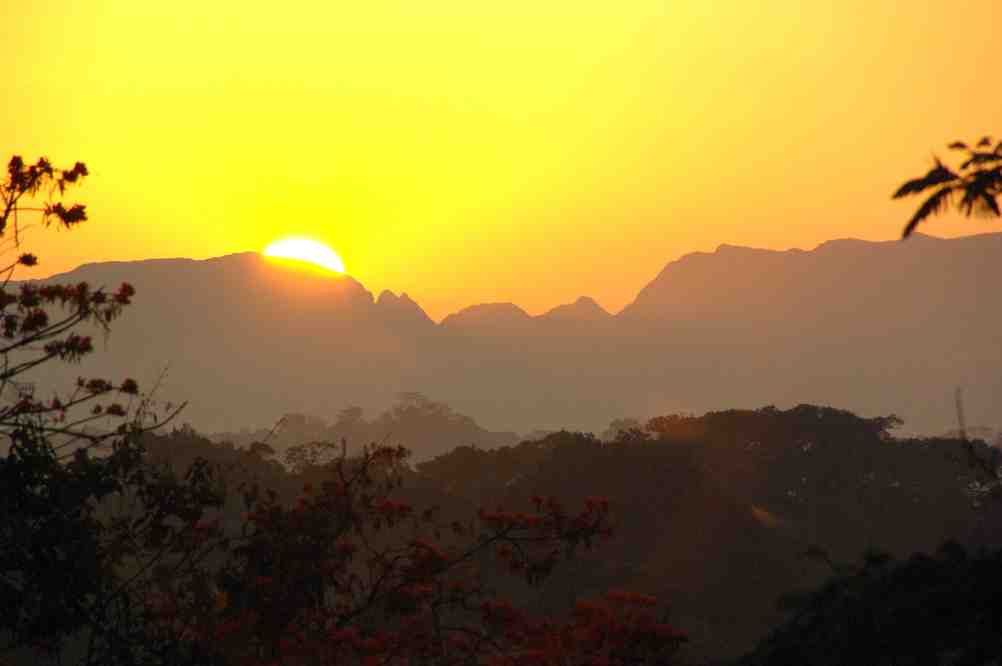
{"x":927,"y":609}
{"x":974,"y":186}
{"x":85,"y":522}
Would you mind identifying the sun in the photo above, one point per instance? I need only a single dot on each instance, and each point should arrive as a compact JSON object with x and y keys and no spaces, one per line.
{"x":307,"y":250}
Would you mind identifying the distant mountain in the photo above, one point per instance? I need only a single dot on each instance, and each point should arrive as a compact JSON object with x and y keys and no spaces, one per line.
{"x":246,"y":340}
{"x":584,"y":309}
{"x":491,"y":318}
{"x":402,"y":310}
{"x":918,"y":278}
{"x":876,"y":327}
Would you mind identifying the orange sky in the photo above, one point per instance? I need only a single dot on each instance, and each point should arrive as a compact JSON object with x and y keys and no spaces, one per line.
{"x":520,"y":151}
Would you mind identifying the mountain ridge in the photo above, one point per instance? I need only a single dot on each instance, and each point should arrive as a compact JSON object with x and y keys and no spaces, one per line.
{"x":871,"y":326}
{"x":515,"y":311}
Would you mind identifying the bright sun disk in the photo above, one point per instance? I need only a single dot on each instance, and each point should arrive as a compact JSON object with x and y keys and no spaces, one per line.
{"x":304,"y":249}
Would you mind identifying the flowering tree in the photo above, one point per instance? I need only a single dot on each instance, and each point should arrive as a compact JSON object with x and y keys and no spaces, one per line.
{"x":347,"y":574}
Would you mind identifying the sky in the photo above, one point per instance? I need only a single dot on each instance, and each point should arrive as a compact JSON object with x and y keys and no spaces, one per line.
{"x":521,"y":151}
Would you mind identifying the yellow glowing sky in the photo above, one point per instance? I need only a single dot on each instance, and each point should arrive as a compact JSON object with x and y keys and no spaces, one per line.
{"x":527,"y":151}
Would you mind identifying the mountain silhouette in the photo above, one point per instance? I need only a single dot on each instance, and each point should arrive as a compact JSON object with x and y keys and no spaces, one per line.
{"x":402,"y":310}
{"x":489,"y":318}
{"x":585,"y":309}
{"x":875,"y":327}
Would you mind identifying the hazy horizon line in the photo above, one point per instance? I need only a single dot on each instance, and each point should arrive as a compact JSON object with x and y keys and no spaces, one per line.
{"x":375,"y":293}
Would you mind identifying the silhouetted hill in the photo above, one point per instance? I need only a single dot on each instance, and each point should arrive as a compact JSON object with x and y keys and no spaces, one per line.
{"x":489,"y":318}
{"x":881,"y":279}
{"x":247,"y":340}
{"x":426,"y":427}
{"x":584,"y":309}
{"x":879,"y":327}
{"x":402,"y":310}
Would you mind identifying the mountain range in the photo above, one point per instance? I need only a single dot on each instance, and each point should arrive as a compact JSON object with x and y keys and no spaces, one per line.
{"x":874,"y":327}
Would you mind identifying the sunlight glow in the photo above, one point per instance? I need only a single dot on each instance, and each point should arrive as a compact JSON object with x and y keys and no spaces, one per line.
{"x":304,"y":249}
{"x":475,"y":152}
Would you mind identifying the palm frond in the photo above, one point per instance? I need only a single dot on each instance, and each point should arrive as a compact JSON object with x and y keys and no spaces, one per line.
{"x":979,"y":194}
{"x":934,"y":204}
{"x":998,"y":148}
{"x":938,"y":175}
{"x":981,"y":158}
{"x":985,"y":141}
{"x":986,"y":205}
{"x":992,"y":179}
{"x":957,"y":145}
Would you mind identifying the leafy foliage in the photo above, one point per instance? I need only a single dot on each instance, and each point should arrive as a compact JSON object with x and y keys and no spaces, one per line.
{"x":945,"y":608}
{"x":347,"y":573}
{"x":716,"y":511}
{"x":974,"y":186}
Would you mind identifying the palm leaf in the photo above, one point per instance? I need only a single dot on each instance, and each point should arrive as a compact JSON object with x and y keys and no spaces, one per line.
{"x":934,"y":204}
{"x":979,"y":195}
{"x":957,"y":145}
{"x":971,"y":195}
{"x":981,"y":158}
{"x":991,"y":180}
{"x":985,"y":141}
{"x":987,"y":205}
{"x":938,"y":175}
{"x":980,"y":189}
